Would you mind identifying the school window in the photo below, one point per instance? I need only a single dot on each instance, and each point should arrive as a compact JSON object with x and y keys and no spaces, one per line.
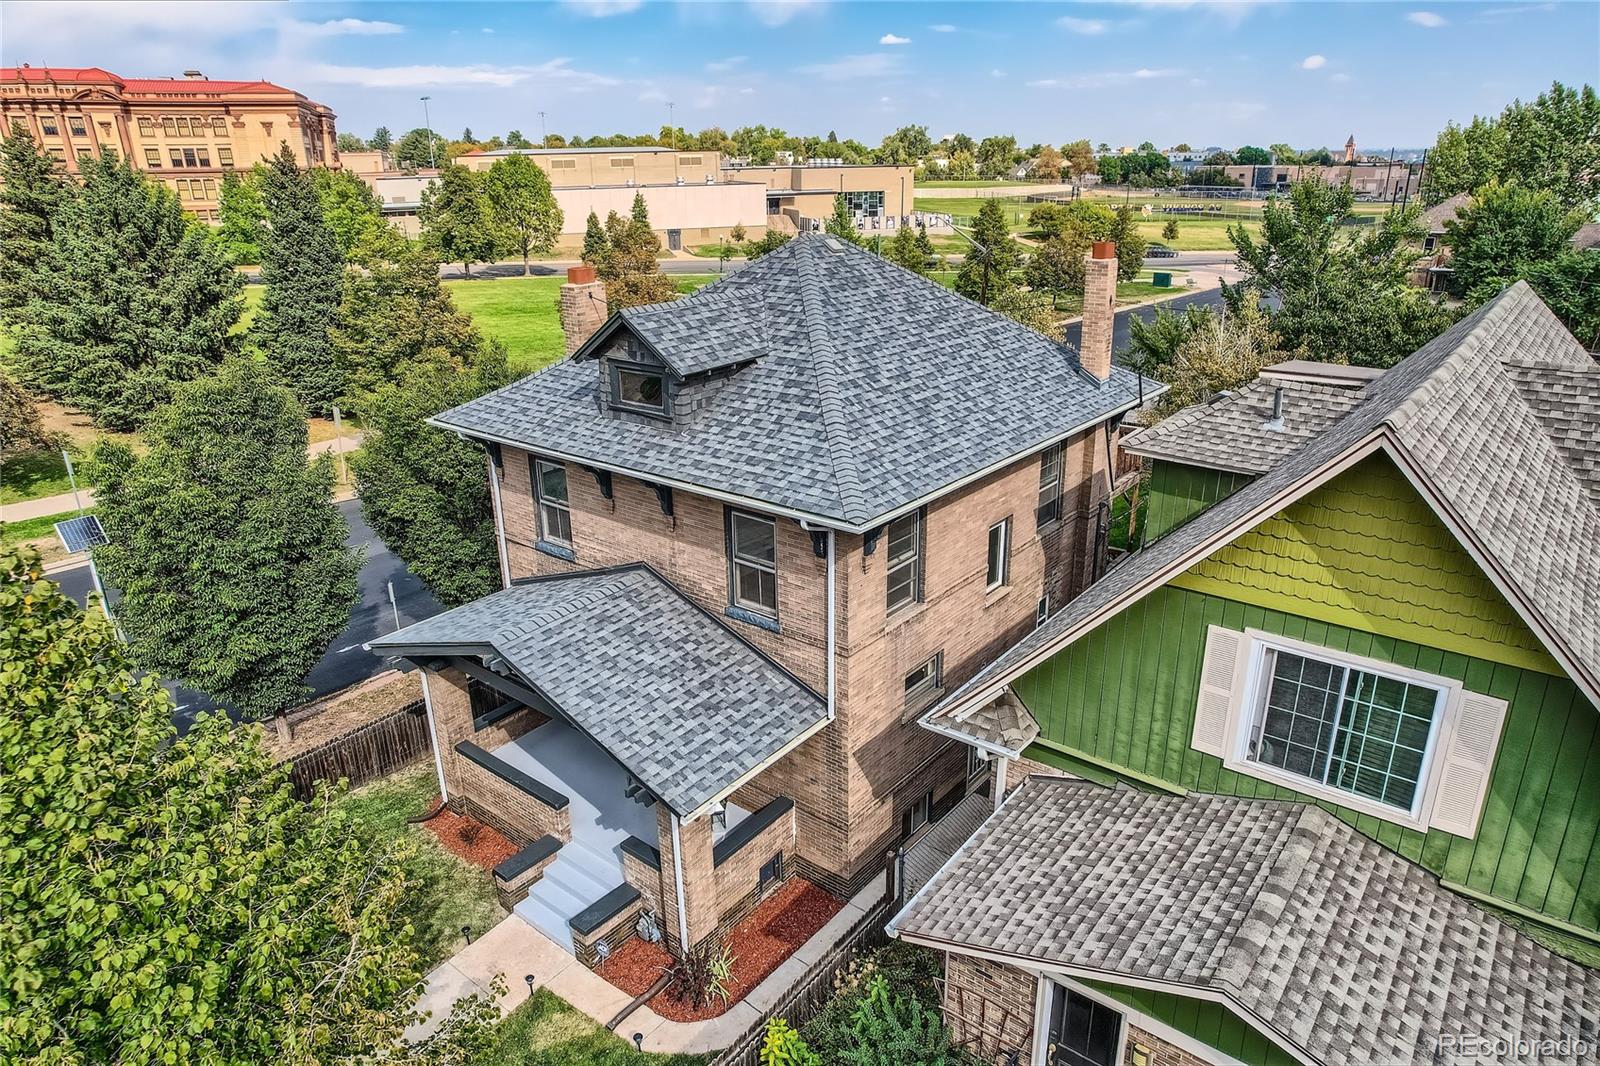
{"x":204,"y":155}
{"x":555,"y":511}
{"x":563,"y":164}
{"x":176,"y":155}
{"x":147,"y":127}
{"x":622,"y":161}
{"x":189,"y":158}
{"x":924,"y":683}
{"x":84,"y":155}
{"x":169,"y":127}
{"x":905,"y":560}
{"x":152,"y":159}
{"x":48,"y":126}
{"x":219,"y":125}
{"x":999,"y":560}
{"x":864,"y":203}
{"x":75,"y":124}
{"x":211,"y":189}
{"x":1049,"y":509}
{"x":59,"y":155}
{"x":225,"y":156}
{"x":753,"y":562}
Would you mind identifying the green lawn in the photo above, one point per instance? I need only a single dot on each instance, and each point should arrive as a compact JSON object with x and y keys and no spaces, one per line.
{"x":36,"y":474}
{"x":965,"y":208}
{"x":447,"y":893}
{"x":546,"y":1031}
{"x":32,"y":528}
{"x":972,"y":185}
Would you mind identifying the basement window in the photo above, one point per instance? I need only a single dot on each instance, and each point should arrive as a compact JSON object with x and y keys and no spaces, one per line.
{"x":636,"y":388}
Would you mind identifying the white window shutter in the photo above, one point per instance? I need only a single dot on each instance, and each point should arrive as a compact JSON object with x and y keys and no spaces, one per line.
{"x":1466,"y":762}
{"x":1219,"y":677}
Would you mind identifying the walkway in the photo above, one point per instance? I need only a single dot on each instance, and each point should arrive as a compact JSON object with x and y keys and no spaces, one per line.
{"x":514,"y":948}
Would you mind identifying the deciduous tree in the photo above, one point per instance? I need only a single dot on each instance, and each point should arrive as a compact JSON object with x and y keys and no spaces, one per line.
{"x":130,"y":296}
{"x":1080,"y":157}
{"x":1220,"y":352}
{"x":349,"y":207}
{"x":31,"y":191}
{"x":963,"y":167}
{"x":349,"y":142}
{"x":1501,"y":232}
{"x":1056,"y":266}
{"x":302,"y":268}
{"x":225,"y":543}
{"x":456,"y":218}
{"x":996,"y":156}
{"x":1552,"y":143}
{"x":524,"y":207}
{"x":1047,"y":165}
{"x":770,"y":241}
{"x":1570,"y":284}
{"x":242,"y":215}
{"x":1032,"y":309}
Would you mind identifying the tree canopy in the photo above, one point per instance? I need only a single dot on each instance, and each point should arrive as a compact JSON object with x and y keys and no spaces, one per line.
{"x":457,"y":221}
{"x":225,"y":543}
{"x":350,"y":208}
{"x":629,"y":266}
{"x":989,"y":267}
{"x":242,"y":217}
{"x":419,"y":148}
{"x":1501,"y":232}
{"x":842,"y":222}
{"x":31,"y":191}
{"x":1551,"y":144}
{"x":523,"y":206}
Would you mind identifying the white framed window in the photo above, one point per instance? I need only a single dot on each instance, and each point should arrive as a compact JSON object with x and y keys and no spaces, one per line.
{"x":905,"y":560}
{"x":1041,"y":611}
{"x":999,"y":559}
{"x":555,"y":510}
{"x":1049,"y":509}
{"x":1398,"y":744}
{"x":753,"y":562}
{"x":923,"y":683}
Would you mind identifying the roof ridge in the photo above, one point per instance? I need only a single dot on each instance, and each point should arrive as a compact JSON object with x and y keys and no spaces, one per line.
{"x":621,"y":580}
{"x":825,"y":370}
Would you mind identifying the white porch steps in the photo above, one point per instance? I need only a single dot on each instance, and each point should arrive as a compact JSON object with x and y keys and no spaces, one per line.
{"x":580,"y":875}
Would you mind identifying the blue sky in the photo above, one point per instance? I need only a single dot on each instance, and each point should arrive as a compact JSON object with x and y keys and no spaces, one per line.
{"x":1181,"y":70}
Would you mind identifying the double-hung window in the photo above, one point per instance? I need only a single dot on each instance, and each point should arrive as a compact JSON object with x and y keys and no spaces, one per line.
{"x":753,"y":563}
{"x":999,"y":562}
{"x":555,"y":511}
{"x":905,"y":560}
{"x":1049,"y":486}
{"x":924,"y":683}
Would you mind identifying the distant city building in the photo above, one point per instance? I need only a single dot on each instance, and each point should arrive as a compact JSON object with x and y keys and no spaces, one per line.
{"x":1372,"y":181}
{"x":186,"y":132}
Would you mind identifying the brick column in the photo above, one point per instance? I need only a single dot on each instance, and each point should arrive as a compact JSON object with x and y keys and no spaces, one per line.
{"x":583,"y":306}
{"x":1099,"y":308}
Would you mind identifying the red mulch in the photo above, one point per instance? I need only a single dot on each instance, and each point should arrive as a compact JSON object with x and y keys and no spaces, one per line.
{"x":759,"y":944}
{"x":469,"y":839}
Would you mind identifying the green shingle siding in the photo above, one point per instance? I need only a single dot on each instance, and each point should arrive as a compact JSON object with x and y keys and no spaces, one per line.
{"x":1124,"y":694}
{"x":1210,"y":1023}
{"x":1178,"y":492}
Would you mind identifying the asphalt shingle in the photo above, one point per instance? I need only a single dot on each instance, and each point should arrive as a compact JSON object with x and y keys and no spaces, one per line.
{"x":1337,"y":946}
{"x":676,"y":697}
{"x":867,"y":388}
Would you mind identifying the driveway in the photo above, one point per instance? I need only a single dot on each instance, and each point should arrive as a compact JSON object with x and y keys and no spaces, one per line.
{"x":345,"y":662}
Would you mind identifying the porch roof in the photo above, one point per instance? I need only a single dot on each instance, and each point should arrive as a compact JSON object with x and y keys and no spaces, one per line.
{"x":1332,"y":945}
{"x":681,"y":701}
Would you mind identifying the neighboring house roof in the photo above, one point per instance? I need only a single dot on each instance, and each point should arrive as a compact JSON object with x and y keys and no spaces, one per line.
{"x":1001,"y":727}
{"x":1330,"y":943}
{"x":870,"y":389}
{"x":639,"y":150}
{"x":923,"y":859}
{"x":1587,"y":237}
{"x":1457,"y":421}
{"x":1237,"y":430}
{"x":682,"y":702}
{"x":1444,"y":211}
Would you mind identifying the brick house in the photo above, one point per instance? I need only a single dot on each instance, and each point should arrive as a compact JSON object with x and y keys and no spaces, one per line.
{"x":1314,"y":775}
{"x":746,"y":538}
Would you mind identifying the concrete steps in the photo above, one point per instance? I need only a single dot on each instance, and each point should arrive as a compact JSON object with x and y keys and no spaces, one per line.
{"x":580,"y":875}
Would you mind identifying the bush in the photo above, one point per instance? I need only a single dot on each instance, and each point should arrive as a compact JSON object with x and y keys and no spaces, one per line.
{"x":1169,"y":232}
{"x":783,"y":1047}
{"x":702,"y":975}
{"x":906,"y":969}
{"x":894,"y":1029}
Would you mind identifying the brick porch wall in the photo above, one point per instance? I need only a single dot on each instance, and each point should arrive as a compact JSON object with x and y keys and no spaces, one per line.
{"x":1161,"y":1052}
{"x":989,"y":1007}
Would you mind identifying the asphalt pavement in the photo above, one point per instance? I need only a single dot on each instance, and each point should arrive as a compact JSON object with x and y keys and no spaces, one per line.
{"x":1120,"y":331}
{"x":345,"y":662}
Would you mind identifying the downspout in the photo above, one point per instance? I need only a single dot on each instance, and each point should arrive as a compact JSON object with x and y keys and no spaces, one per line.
{"x":677,"y":875}
{"x":832,"y":712}
{"x":433,"y":735}
{"x":499,"y":522}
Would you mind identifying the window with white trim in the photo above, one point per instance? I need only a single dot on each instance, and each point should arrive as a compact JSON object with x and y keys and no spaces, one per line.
{"x":924,"y":683}
{"x":555,"y":510}
{"x":999,"y":559}
{"x":1374,"y":737}
{"x":905,"y":560}
{"x":753,"y":562}
{"x":1049,"y":486}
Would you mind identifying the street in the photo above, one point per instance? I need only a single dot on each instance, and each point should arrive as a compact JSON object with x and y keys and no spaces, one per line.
{"x":345,"y":662}
{"x":1120,"y":331}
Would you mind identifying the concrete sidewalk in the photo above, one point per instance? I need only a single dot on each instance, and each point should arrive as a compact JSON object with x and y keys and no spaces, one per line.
{"x":515,"y":948}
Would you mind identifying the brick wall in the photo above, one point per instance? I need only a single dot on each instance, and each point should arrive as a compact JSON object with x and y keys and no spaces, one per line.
{"x":699,"y":875}
{"x":613,"y":932}
{"x":739,"y":876}
{"x":647,"y":879}
{"x":989,"y":1007}
{"x":1160,"y":1052}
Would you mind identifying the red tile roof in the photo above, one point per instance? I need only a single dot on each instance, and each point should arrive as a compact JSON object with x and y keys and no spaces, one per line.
{"x":58,"y":74}
{"x":97,"y":75}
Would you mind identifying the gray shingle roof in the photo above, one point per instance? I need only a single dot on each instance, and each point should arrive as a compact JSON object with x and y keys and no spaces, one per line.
{"x":1003,"y":725}
{"x":1236,"y":432}
{"x":1330,"y":942}
{"x":675,"y":696}
{"x":871,"y":388}
{"x":1567,"y":403}
{"x":1454,"y":412}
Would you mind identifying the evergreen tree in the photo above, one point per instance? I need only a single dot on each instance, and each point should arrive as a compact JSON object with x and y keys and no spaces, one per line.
{"x":515,"y":139}
{"x":903,"y":250}
{"x":456,"y":220}
{"x":31,"y":191}
{"x":243,"y":217}
{"x":641,"y":211}
{"x":1130,"y":244}
{"x":302,"y":268}
{"x":425,"y":491}
{"x":381,"y":140}
{"x":130,"y":297}
{"x":349,"y":207}
{"x":631,"y":271}
{"x":20,"y":428}
{"x":225,"y":542}
{"x":842,"y":224}
{"x":989,"y":265}
{"x":524,"y":207}
{"x":419,"y":148}
{"x":924,"y":245}
{"x":265,"y":928}
{"x":595,"y":241}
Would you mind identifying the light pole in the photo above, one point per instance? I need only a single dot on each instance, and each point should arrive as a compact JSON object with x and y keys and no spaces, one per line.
{"x":544,"y":135}
{"x":428,"y":125}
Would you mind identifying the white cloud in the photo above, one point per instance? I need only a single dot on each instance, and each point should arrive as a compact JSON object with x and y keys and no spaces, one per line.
{"x":348,"y":27}
{"x":419,"y":76}
{"x":602,"y":9}
{"x":890,"y":38}
{"x":778,"y":12}
{"x":722,"y":66}
{"x":487,"y":29}
{"x":997,"y":73}
{"x":847,"y":68}
{"x":1426,"y":18}
{"x":1105,"y":78}
{"x":942,"y":27}
{"x":1087,"y":27}
{"x":1339,"y":78}
{"x":1313,"y":62}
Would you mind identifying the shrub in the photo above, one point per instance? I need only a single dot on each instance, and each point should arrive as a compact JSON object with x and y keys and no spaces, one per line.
{"x":906,"y":969}
{"x":892,"y":1029}
{"x":783,"y":1047}
{"x":703,"y":975}
{"x":1169,"y":232}
{"x":737,"y":234}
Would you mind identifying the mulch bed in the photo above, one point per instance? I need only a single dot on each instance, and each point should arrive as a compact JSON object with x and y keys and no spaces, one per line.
{"x":759,"y":944}
{"x":469,"y":839}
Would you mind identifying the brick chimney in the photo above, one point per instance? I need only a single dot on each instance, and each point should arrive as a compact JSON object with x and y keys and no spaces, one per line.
{"x":583,"y":306}
{"x":1099,"y":309}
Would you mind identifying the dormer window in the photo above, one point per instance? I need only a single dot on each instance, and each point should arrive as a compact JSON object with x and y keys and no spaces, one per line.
{"x":639,"y":388}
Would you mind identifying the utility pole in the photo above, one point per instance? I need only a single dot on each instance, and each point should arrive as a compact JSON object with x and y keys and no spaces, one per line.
{"x":427,"y":125}
{"x":544,"y":134}
{"x":672,"y":126}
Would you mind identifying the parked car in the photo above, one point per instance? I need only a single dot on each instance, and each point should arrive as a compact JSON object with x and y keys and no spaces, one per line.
{"x":1158,"y":251}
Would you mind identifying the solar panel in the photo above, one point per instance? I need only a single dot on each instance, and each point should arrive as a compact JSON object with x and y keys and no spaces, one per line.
{"x":81,"y":533}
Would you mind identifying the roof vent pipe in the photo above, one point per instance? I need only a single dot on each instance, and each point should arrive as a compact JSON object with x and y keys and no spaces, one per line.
{"x":1275,"y":423}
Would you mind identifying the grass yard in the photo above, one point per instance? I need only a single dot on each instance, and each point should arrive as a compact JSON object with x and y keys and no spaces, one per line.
{"x":975,"y":184}
{"x":546,"y":1031}
{"x":32,"y":528}
{"x":447,"y":893}
{"x":966,"y":208}
{"x":1197,"y":234}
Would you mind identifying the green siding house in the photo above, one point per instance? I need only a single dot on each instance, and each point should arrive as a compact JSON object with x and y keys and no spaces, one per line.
{"x":1367,"y":605}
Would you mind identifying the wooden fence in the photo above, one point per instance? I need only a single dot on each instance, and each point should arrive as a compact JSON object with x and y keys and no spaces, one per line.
{"x":379,"y":747}
{"x":814,"y":988}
